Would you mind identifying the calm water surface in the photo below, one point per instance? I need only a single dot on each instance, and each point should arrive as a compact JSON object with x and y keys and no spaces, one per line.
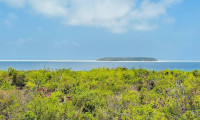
{"x":77,"y":66}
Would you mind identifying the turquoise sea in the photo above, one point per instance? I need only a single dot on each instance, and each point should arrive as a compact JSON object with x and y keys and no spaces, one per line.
{"x":88,"y":65}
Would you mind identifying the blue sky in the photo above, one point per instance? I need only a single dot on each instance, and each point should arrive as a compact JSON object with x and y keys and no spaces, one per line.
{"x":89,"y":29}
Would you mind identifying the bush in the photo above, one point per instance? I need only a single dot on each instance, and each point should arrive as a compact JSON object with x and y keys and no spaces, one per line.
{"x":99,"y":94}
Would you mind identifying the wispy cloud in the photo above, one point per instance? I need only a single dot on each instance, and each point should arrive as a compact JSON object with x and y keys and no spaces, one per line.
{"x":20,"y":41}
{"x":63,"y":44}
{"x":115,"y":15}
{"x":169,"y":20}
{"x":15,"y":3}
{"x":8,"y":21}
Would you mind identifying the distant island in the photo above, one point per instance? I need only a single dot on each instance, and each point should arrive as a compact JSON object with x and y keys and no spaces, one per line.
{"x":126,"y":59}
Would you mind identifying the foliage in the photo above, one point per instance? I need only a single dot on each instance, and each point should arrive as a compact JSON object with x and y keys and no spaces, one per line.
{"x":104,"y":94}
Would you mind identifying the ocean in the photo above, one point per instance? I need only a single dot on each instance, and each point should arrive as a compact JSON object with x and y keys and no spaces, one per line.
{"x":90,"y":64}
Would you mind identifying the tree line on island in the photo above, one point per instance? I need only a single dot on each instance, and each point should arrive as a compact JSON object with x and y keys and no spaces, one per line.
{"x":127,"y":59}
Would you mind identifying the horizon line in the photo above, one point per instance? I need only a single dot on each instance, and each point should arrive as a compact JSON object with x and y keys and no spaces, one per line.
{"x":95,"y":61}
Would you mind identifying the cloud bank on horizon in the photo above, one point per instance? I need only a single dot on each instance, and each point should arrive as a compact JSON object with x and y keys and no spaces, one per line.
{"x":115,"y":15}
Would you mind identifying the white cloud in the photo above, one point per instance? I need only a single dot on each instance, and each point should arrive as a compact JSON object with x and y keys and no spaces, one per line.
{"x":114,"y":15}
{"x":52,"y":8}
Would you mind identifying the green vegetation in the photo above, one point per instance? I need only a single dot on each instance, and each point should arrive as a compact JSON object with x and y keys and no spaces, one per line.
{"x":99,"y":94}
{"x":127,"y":59}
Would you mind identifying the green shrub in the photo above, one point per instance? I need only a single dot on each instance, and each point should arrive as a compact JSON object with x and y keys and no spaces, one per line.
{"x":99,"y":94}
